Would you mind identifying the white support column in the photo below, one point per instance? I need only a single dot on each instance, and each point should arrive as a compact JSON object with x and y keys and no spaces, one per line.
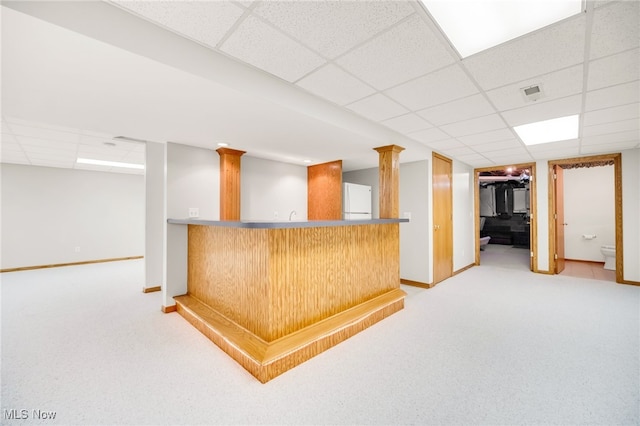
{"x":154,"y":215}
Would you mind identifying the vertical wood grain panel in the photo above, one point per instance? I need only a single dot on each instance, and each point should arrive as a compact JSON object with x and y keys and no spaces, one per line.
{"x":389,"y":177}
{"x":273,"y":282}
{"x":324,"y":191}
{"x":229,"y":183}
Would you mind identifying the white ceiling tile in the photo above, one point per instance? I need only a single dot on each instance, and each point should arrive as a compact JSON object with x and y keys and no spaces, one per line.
{"x":600,"y":3}
{"x":554,"y":47}
{"x":333,"y":27}
{"x":611,"y":138}
{"x":204,"y":21}
{"x":28,"y":142}
{"x":613,"y":96}
{"x":377,"y":107}
{"x":11,"y":146}
{"x":470,"y":158}
{"x":39,"y":151}
{"x":492,"y":136}
{"x":615,"y":28}
{"x":51,"y":163}
{"x":262,"y":46}
{"x":49,"y":156}
{"x":436,"y":88}
{"x":556,"y":154}
{"x":492,"y":147}
{"x":13,"y":121}
{"x":555,"y":85}
{"x":602,"y":149}
{"x":431,"y":135}
{"x":623,"y":112}
{"x":458,"y":110}
{"x":544,"y":111}
{"x":554,"y":146}
{"x":8,"y":138}
{"x":475,"y":125}
{"x":621,"y":68}
{"x":13,"y":157}
{"x":443,"y":144}
{"x":41,"y":133}
{"x":613,"y":127}
{"x":511,"y":156}
{"x":407,"y":123}
{"x":336,"y":85}
{"x":458,"y":151}
{"x":384,"y":62}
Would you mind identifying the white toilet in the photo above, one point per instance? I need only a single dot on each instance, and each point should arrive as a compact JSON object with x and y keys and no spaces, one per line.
{"x":609,"y":253}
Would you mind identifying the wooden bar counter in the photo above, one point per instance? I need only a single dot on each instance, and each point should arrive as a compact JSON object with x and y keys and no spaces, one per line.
{"x":274,"y":294}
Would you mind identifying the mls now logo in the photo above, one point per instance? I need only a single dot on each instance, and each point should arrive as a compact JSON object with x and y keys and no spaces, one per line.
{"x":24,"y":414}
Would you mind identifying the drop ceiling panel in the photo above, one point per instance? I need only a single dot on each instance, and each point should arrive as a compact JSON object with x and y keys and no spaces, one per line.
{"x":14,"y":157}
{"x":557,"y":46}
{"x":42,"y":133}
{"x":431,"y":135}
{"x":471,"y":158}
{"x":336,"y":85}
{"x":512,"y":157}
{"x":51,"y":163}
{"x":443,"y":144}
{"x":612,"y":138}
{"x":498,"y":146}
{"x":377,"y":107}
{"x":616,"y":28}
{"x":458,"y":110}
{"x":621,"y":68}
{"x":330,"y":27}
{"x":623,"y":112}
{"x":492,"y":136}
{"x":438,"y":87}
{"x":615,"y":146}
{"x":462,"y":150}
{"x":613,"y":96}
{"x":204,"y":21}
{"x":407,"y":123}
{"x":544,"y":111}
{"x":384,"y":62}
{"x":11,"y":147}
{"x":30,"y":143}
{"x":614,"y":127}
{"x":555,"y":85}
{"x":555,"y":154}
{"x":475,"y":125}
{"x":554,"y":146}
{"x":262,"y":46}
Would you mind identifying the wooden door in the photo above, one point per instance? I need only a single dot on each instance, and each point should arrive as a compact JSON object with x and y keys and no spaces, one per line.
{"x":559,"y":217}
{"x":442,"y":219}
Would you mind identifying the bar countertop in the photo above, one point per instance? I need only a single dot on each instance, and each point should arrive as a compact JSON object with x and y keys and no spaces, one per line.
{"x":283,"y":224}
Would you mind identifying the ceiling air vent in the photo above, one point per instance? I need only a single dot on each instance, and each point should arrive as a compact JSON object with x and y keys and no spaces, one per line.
{"x":532,"y":93}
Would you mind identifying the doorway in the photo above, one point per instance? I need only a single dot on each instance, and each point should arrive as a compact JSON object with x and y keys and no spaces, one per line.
{"x":505,"y":215}
{"x":442,"y":218}
{"x":556,"y":208}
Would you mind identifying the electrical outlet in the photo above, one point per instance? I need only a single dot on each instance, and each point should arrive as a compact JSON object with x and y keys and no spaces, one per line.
{"x":194,"y":212}
{"x":275,"y":215}
{"x":77,"y":249}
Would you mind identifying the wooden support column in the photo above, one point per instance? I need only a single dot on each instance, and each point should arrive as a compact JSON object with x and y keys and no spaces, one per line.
{"x":229,"y":183}
{"x":389,"y":177}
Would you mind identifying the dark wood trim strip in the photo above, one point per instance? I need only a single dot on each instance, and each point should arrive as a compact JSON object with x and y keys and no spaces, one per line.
{"x":416,"y":283}
{"x":151,"y":289}
{"x":169,"y":309}
{"x":57,"y":265}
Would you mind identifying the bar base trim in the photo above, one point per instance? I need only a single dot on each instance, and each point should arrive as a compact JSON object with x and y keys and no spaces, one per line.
{"x":266,"y":360}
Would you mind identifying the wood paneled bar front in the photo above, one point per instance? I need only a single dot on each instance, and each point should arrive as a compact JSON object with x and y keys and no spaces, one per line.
{"x":274,"y":294}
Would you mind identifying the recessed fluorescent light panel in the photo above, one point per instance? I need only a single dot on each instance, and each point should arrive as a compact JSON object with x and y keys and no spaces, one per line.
{"x":109,"y":163}
{"x":554,"y":130}
{"x":473,"y":26}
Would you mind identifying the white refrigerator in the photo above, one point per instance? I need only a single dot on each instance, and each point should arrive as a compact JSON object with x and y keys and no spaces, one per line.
{"x":356,"y":201}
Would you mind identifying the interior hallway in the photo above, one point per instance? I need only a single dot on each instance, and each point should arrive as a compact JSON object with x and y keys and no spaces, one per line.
{"x":491,"y":345}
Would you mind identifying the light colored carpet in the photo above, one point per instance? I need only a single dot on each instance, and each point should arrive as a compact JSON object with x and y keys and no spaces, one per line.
{"x":490,"y":346}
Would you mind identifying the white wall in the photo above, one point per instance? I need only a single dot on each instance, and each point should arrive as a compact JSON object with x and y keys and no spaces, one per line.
{"x":271,"y":190}
{"x":192,"y":181}
{"x":589,"y":209}
{"x":49,"y":212}
{"x":631,"y":213}
{"x":415,"y":254}
{"x":464,"y":232}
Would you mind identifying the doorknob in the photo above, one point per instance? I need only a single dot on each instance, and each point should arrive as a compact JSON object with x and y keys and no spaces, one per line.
{"x":565,"y":224}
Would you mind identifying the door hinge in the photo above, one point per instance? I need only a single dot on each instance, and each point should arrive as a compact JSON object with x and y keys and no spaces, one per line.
{"x":531,"y":253}
{"x":555,"y":256}
{"x":555,"y":216}
{"x":555,"y":176}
